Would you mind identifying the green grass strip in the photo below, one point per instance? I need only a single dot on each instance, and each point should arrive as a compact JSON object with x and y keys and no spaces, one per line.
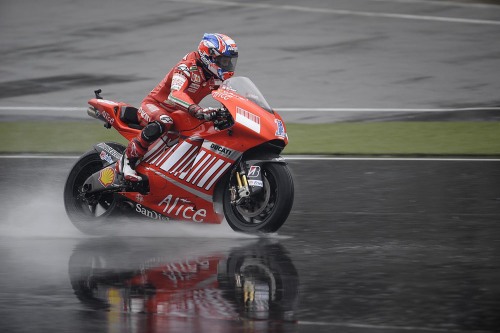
{"x":377,"y":138}
{"x":54,"y":137}
{"x":395,"y":138}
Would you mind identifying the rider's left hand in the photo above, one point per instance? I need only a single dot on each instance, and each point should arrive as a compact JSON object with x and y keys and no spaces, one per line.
{"x":207,"y":114}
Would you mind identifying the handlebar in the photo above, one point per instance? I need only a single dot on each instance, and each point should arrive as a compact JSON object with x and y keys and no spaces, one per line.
{"x":222,"y":119}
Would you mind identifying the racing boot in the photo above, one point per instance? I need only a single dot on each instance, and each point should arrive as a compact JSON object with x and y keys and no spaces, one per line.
{"x":126,"y":165}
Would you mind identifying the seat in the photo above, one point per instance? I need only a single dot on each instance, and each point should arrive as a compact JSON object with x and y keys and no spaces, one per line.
{"x":128,"y":115}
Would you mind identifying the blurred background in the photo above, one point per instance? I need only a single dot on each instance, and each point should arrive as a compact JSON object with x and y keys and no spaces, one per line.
{"x":320,"y":53}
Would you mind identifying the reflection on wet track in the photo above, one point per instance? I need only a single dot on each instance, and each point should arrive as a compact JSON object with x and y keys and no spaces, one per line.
{"x":254,"y":282}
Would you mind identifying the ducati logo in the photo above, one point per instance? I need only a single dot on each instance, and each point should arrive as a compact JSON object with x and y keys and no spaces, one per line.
{"x":220,"y":149}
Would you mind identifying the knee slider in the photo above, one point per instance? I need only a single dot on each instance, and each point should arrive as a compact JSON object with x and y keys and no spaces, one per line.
{"x":152,"y":131}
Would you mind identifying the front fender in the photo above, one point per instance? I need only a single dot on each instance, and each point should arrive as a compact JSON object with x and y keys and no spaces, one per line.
{"x":254,"y":171}
{"x":268,"y":152}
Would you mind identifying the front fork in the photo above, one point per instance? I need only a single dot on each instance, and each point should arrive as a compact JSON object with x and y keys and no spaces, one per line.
{"x":241,"y":191}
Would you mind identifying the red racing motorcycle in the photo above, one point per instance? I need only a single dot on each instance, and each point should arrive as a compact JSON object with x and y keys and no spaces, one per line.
{"x":228,"y":168}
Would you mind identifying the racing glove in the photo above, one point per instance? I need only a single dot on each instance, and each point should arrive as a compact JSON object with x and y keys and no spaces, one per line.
{"x":200,"y":113}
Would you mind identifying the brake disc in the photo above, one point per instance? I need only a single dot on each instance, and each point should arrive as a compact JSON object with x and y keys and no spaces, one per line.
{"x":256,"y":204}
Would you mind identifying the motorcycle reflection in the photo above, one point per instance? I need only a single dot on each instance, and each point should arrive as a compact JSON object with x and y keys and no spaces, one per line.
{"x":187,"y":284}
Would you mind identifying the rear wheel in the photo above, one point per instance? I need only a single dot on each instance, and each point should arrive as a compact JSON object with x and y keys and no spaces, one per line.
{"x":89,"y":213}
{"x":267,"y":210}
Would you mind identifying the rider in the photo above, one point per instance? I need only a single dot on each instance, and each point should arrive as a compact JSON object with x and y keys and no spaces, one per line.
{"x":187,"y":83}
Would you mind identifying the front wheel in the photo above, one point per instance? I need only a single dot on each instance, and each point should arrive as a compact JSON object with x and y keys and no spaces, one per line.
{"x":89,"y":214}
{"x":267,"y":210}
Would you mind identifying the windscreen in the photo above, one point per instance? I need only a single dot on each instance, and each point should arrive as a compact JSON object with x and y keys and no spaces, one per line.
{"x":244,"y":87}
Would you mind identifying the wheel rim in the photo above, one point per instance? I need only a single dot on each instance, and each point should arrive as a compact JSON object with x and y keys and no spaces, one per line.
{"x":257,"y":205}
{"x":94,"y":207}
{"x":258,"y":208}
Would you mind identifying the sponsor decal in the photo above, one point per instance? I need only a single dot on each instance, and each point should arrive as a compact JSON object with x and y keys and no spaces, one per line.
{"x":139,"y":198}
{"x":106,"y":157}
{"x":254,"y":171}
{"x":248,"y":119}
{"x":280,"y":132}
{"x":150,"y":213}
{"x":166,"y":119}
{"x":193,"y":87}
{"x":193,"y":68}
{"x":107,"y":176}
{"x":253,"y":182}
{"x":109,"y":150}
{"x":195,"y":78}
{"x":228,"y":88}
{"x":177,"y":82}
{"x":144,"y":115}
{"x":108,"y":118}
{"x":222,"y":95}
{"x":184,"y":69}
{"x":220,"y":149}
{"x":182,"y":208}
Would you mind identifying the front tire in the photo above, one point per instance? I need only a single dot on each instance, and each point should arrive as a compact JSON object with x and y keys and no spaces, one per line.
{"x":88,"y":215}
{"x":268,"y":210}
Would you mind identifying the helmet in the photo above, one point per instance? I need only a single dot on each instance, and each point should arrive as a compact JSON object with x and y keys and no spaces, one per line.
{"x":218,"y":54}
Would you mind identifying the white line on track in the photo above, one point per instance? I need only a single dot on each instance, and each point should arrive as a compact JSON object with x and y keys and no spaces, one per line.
{"x":22,"y":156}
{"x":42,"y":108}
{"x":387,"y":109}
{"x":367,"y":158}
{"x":342,"y":12}
{"x":296,"y":158}
{"x":444,"y":3}
{"x":294,"y":109}
{"x":378,"y":327}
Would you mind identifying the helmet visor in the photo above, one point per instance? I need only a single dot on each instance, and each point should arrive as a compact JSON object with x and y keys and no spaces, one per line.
{"x":228,"y":64}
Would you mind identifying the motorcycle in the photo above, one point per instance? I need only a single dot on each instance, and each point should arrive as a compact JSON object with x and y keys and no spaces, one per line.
{"x":203,"y":171}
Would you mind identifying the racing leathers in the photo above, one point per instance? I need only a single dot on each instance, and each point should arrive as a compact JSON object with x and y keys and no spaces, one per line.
{"x":182,"y":88}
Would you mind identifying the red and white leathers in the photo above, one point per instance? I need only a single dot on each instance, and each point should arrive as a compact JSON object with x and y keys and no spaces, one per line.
{"x":182,"y":88}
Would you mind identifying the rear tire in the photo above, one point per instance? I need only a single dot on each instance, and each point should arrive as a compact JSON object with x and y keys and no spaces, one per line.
{"x":89,"y":218}
{"x":268,"y":210}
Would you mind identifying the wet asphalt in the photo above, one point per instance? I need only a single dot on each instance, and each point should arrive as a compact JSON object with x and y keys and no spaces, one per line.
{"x":371,"y":245}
